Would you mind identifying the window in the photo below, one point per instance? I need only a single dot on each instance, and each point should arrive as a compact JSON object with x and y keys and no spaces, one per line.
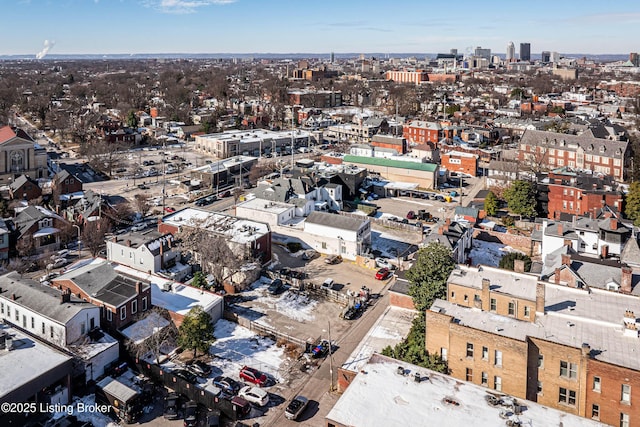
{"x":497,"y":383}
{"x":469,"y":349}
{"x":17,"y":315}
{"x":596,"y":384}
{"x":512,"y":309}
{"x":123,"y":313}
{"x":24,"y":321}
{"x":1,"y":307}
{"x":493,"y":305}
{"x":51,"y":331}
{"x":540,"y":361}
{"x":324,"y":245}
{"x":485,"y":379}
{"x":108,"y":314}
{"x":469,"y":374}
{"x":443,"y":353}
{"x":33,"y":323}
{"x":144,"y":303}
{"x":82,"y":328}
{"x":539,"y":387}
{"x":497,"y":358}
{"x":595,"y":412}
{"x":466,"y":298}
{"x":527,"y":311}
{"x":134,"y":306}
{"x":485,"y":353}
{"x":624,"y":420}
{"x":43,"y":328}
{"x":453,"y":295}
{"x":568,"y":397}
{"x":8,"y":312}
{"x":625,"y":395}
{"x":568,"y":370}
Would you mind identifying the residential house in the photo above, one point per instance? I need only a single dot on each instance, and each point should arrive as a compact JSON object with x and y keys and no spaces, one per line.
{"x":60,"y":319}
{"x":420,"y":132}
{"x":24,"y":188}
{"x":501,"y":173}
{"x":121,"y":298}
{"x":466,"y":214}
{"x":41,"y":226}
{"x":336,"y":234}
{"x":20,"y":155}
{"x":455,"y":236}
{"x":65,"y":183}
{"x":5,"y":235}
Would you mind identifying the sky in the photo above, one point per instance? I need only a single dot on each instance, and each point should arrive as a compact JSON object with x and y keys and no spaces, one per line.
{"x":288,"y":26}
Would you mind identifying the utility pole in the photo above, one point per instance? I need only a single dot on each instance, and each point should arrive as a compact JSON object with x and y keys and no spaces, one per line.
{"x":330,"y":360}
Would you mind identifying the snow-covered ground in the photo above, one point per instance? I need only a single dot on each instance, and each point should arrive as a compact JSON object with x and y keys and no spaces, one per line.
{"x":94,"y":417}
{"x":295,"y":306}
{"x":236,"y":346}
{"x":388,"y":244}
{"x":488,"y":253}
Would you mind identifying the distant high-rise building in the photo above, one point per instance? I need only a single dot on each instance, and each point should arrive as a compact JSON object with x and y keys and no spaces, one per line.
{"x":511,"y":52}
{"x":333,"y":57}
{"x":546,"y":56}
{"x":483,"y":53}
{"x":525,"y":51}
{"x":453,"y":52}
{"x":555,"y":57}
{"x":634,"y":59}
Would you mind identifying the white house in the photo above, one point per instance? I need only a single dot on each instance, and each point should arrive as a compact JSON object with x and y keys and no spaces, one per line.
{"x":336,"y":234}
{"x":273,"y":213}
{"x":58,"y":318}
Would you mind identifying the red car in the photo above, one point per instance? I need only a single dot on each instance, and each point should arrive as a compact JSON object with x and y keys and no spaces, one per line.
{"x":169,"y":209}
{"x":253,"y":376}
{"x":383,"y":273}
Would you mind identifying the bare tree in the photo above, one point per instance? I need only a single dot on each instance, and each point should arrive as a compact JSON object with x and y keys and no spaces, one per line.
{"x":93,"y":235}
{"x":142,"y":204}
{"x":25,"y":246}
{"x":156,"y":330}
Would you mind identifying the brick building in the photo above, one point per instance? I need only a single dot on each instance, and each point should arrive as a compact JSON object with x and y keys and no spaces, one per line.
{"x":390,"y":141}
{"x":24,"y":188}
{"x":457,"y":161}
{"x":575,"y":193}
{"x":568,"y":348}
{"x":121,"y":298}
{"x":65,"y":183}
{"x":421,"y":132}
{"x":407,"y":76}
{"x":542,"y":150}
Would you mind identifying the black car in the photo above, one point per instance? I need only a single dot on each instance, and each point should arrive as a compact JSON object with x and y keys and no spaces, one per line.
{"x":213,"y":418}
{"x":227,"y":384}
{"x":171,"y":404}
{"x":190,"y":414}
{"x":275,"y":286}
{"x":198,"y":367}
{"x":186,"y":375}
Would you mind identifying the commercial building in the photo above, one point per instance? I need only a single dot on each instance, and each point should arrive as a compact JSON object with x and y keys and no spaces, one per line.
{"x":420,"y":132}
{"x":403,"y":169}
{"x":459,"y":162}
{"x":334,"y":234}
{"x":511,"y":52}
{"x":254,"y":142}
{"x":407,"y":76}
{"x":525,"y":51}
{"x":563,"y":345}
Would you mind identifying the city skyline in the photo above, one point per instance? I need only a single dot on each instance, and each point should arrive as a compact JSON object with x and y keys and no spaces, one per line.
{"x":250,"y":26}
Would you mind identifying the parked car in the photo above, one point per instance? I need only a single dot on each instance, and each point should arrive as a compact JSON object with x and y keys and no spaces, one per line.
{"x":198,"y":367}
{"x":321,"y":349}
{"x":224,"y":194}
{"x":140,"y":226}
{"x":333,"y":259}
{"x":309,"y":254}
{"x":227,"y":384}
{"x":275,"y":286}
{"x":190,"y":414}
{"x":48,"y":277}
{"x":213,"y":418}
{"x":253,"y":376}
{"x":411,"y":215}
{"x":328,"y":283}
{"x":254,"y":395}
{"x":383,"y":263}
{"x":383,"y":274}
{"x":186,"y":375}
{"x":296,"y":407}
{"x":171,"y":404}
{"x":169,"y":209}
{"x":57,"y":263}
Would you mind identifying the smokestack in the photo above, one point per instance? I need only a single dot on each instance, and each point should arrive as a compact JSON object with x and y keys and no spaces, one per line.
{"x":626,"y":279}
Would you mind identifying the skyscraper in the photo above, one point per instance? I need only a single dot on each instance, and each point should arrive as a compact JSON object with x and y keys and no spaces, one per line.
{"x":483,"y":53}
{"x":525,"y":51}
{"x":545,"y":56}
{"x":511,"y":52}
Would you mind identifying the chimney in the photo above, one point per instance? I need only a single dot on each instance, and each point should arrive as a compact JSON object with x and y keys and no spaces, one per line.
{"x":560,"y":229}
{"x":447,"y":223}
{"x":604,"y":251}
{"x":630,"y":324}
{"x":540,"y":291}
{"x":613,"y":224}
{"x":625,"y":279}
{"x":518,"y":265}
{"x":13,"y":297}
{"x":556,"y":276}
{"x":586,"y":350}
{"x":65,"y":296}
{"x":566,"y":259}
{"x":486,"y":286}
{"x":138,"y":287}
{"x":114,"y":239}
{"x":128,"y":242}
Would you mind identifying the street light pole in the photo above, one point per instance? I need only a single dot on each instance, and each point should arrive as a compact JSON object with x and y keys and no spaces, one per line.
{"x":78,"y":240}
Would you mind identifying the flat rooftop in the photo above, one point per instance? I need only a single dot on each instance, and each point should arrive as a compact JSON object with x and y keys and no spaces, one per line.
{"x":263,"y":205}
{"x":235,"y":229}
{"x":502,"y":281}
{"x":28,"y":360}
{"x":380,"y":396}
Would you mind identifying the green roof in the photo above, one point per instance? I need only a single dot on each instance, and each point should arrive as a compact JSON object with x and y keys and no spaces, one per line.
{"x":380,"y":161}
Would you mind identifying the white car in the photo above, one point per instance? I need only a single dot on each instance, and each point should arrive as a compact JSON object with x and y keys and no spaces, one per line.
{"x":254,"y":395}
{"x":139,"y":227}
{"x":57,"y":263}
{"x":384,"y":263}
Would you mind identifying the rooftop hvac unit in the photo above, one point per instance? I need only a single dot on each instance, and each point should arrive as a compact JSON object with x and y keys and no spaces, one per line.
{"x":166,"y":287}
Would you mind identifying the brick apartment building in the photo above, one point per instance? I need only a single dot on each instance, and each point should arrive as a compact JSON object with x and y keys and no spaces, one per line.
{"x":421,"y":132}
{"x":407,"y":76}
{"x":577,"y":193}
{"x":569,"y":348}
{"x":457,"y":161}
{"x":542,"y":150}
